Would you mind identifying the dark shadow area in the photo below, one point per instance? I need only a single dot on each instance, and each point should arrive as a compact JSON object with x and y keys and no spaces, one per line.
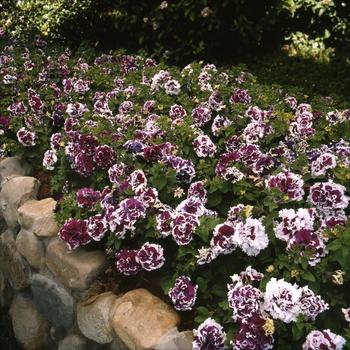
{"x":7,"y":338}
{"x":307,"y":76}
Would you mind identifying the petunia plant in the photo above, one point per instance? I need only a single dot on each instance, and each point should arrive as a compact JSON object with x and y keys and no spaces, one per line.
{"x":230,"y":195}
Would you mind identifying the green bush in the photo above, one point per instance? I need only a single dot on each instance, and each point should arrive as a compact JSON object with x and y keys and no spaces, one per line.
{"x":188,"y":29}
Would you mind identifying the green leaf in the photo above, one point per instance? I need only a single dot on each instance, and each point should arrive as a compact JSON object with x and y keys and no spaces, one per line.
{"x":335,"y":245}
{"x":297,"y":332}
{"x":165,"y":284}
{"x":308,"y":276}
{"x":224,"y":305}
{"x":214,"y":199}
{"x":159,"y":181}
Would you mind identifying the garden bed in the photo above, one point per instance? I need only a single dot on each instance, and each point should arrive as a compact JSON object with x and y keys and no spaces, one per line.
{"x":224,"y":197}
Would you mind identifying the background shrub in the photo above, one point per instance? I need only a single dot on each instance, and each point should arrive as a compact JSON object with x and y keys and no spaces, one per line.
{"x":189,"y":29}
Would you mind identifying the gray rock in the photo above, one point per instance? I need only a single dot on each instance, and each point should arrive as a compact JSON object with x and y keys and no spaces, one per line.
{"x":53,"y":301}
{"x":175,"y":340}
{"x":38,"y":217}
{"x":31,"y":248}
{"x":12,"y":264}
{"x":11,"y":167}
{"x":75,"y":269}
{"x":73,"y":342}
{"x":14,"y":193}
{"x":94,"y":317}
{"x":30,"y":328}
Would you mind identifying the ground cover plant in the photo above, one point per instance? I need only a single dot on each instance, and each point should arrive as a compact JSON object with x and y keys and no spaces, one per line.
{"x":230,"y":193}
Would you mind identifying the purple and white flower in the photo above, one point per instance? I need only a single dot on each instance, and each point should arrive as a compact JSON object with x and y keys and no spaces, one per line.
{"x":97,"y":227}
{"x":319,"y":340}
{"x":26,"y":137}
{"x":209,"y":335}
{"x":204,"y":147}
{"x":87,"y":197}
{"x":282,"y":300}
{"x":126,"y":262}
{"x":75,"y":233}
{"x":151,"y":256}
{"x":49,"y":160}
{"x":289,"y":183}
{"x":183,"y":294}
{"x":328,"y":196}
{"x":104,"y":156}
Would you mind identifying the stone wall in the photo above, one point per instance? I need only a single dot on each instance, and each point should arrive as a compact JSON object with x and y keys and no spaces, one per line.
{"x":45,"y":286}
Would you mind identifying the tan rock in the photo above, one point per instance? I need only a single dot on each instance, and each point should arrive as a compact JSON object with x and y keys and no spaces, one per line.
{"x":11,"y":167}
{"x":75,"y":269}
{"x":31,"y":248}
{"x":30,"y":328}
{"x":12,"y":264}
{"x":94,"y":317}
{"x":38,"y":217}
{"x":175,"y":340}
{"x":15,"y":193}
{"x":141,"y":319}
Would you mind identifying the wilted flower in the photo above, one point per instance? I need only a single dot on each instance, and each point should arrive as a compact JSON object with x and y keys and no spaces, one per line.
{"x":206,"y":12}
{"x":291,"y":101}
{"x":179,"y":192}
{"x":163,"y":5}
{"x":206,"y":255}
{"x":338,"y":277}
